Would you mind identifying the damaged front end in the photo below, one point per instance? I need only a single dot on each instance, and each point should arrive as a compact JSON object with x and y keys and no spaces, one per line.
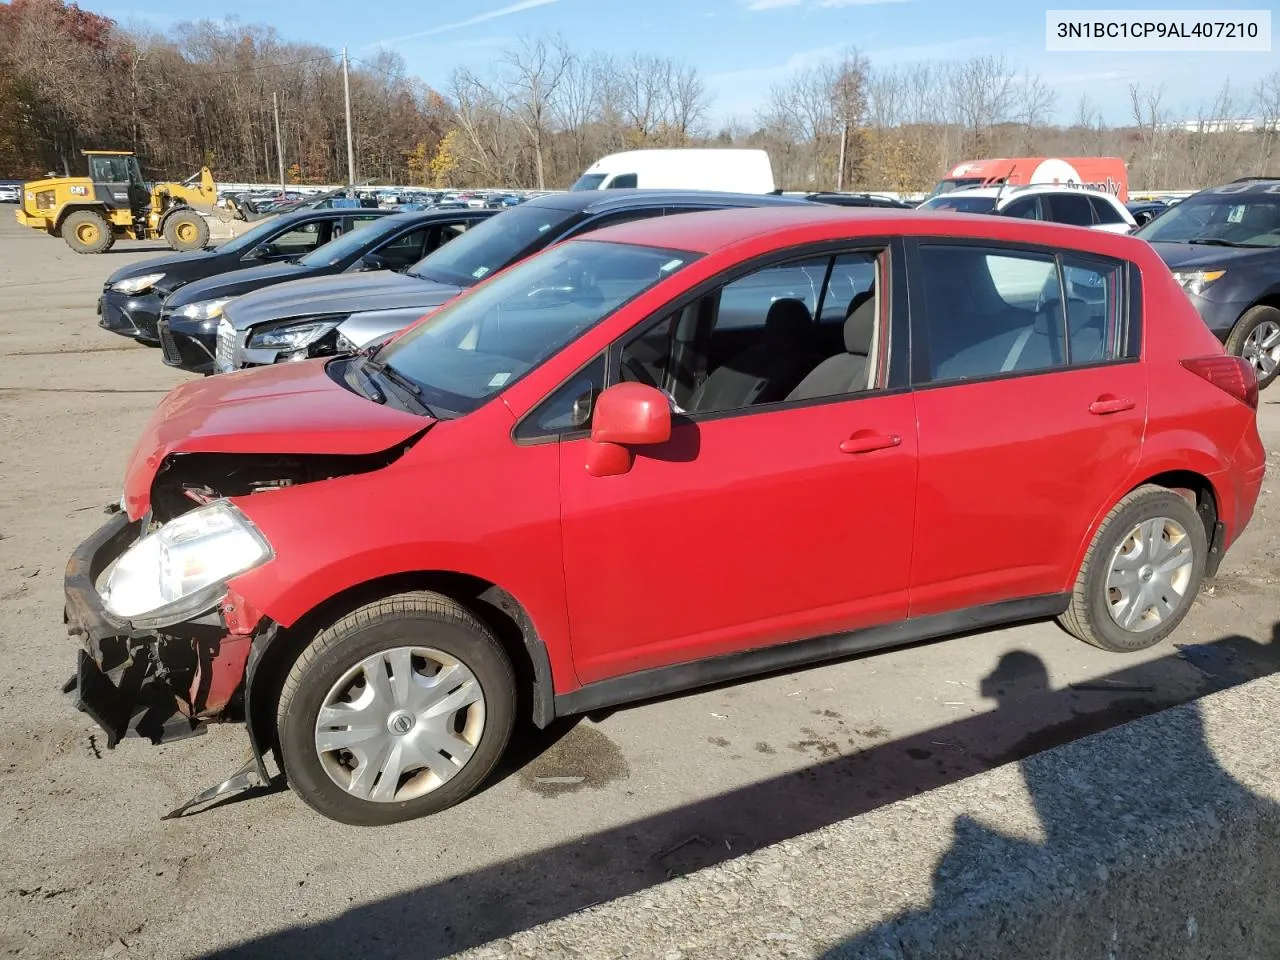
{"x":159,"y":683}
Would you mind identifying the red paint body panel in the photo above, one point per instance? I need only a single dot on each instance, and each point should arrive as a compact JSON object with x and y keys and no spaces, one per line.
{"x":742,"y":530}
{"x":291,"y":408}
{"x":1001,"y":510}
{"x":466,"y":499}
{"x":737,"y":533}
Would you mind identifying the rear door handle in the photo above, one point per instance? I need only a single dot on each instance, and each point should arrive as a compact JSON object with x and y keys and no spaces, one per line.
{"x":1110,"y":404}
{"x":865,"y":441}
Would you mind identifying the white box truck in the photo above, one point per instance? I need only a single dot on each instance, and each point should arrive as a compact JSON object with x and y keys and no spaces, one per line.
{"x":733,"y":171}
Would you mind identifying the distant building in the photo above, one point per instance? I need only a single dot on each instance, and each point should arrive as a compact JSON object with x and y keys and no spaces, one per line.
{"x":1223,"y":125}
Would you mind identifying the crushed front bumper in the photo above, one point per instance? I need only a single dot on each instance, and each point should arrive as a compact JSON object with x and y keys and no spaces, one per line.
{"x":159,"y":684}
{"x":188,"y":344}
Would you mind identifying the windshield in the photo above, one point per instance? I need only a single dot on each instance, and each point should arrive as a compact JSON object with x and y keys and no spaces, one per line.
{"x":478,"y":344}
{"x":960,"y":204}
{"x":1231,"y":219}
{"x":488,"y":247}
{"x":347,"y":244}
{"x":589,"y":181}
{"x":250,"y":238}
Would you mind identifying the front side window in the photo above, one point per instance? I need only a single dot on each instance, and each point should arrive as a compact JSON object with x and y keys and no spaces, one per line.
{"x":341,"y":248}
{"x":1024,"y":208}
{"x":301,"y":239}
{"x":480,"y":343}
{"x":624,"y":181}
{"x":755,"y":340}
{"x":991,"y":312}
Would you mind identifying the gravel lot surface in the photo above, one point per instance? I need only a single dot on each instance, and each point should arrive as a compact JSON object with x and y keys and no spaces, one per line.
{"x":582,"y":814}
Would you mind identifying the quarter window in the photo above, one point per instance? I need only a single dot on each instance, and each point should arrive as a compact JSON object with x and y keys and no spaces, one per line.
{"x":1104,"y":211}
{"x":1094,"y":313}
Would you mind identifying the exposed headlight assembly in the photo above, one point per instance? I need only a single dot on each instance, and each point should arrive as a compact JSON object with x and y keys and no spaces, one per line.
{"x":292,"y":337}
{"x":137,"y":284}
{"x":181,"y":570}
{"x":1195,"y":281}
{"x":204,"y":309}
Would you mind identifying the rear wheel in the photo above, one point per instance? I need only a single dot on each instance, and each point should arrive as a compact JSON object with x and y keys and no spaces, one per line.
{"x":1256,"y":337}
{"x":186,"y":230}
{"x":400,"y":709}
{"x":87,"y":231}
{"x":1141,"y":573}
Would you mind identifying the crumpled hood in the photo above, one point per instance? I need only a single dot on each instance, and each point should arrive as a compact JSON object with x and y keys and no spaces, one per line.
{"x":293,"y":408}
{"x":344,"y":293}
{"x":233,"y":283}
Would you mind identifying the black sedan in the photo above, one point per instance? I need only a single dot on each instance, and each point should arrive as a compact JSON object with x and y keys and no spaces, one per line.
{"x":131,"y":297}
{"x":189,"y":317}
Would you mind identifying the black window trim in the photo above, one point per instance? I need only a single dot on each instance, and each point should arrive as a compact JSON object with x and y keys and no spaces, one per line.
{"x":897,"y":330}
{"x":1129,"y":339}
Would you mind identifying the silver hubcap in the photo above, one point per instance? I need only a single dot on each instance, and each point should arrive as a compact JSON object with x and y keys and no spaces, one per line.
{"x":399,"y":724}
{"x":1150,"y":574}
{"x":1262,"y":348}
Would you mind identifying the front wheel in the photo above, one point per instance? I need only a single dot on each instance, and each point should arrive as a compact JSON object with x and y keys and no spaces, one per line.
{"x":1256,"y":337}
{"x":186,"y":230}
{"x":87,"y":231}
{"x":400,"y":709}
{"x":1141,"y":572}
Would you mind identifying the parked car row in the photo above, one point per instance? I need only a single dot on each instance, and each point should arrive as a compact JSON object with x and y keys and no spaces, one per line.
{"x":383,"y":560}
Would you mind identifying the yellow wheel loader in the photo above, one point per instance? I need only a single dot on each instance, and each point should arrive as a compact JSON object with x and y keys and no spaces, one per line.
{"x":91,"y":213}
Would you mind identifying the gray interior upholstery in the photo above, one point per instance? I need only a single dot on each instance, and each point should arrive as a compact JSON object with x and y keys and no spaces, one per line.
{"x":845,"y":372}
{"x":766,"y":371}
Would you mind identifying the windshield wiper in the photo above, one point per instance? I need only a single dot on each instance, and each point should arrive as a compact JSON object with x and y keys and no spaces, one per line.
{"x":366,"y":385}
{"x":1219,"y":242}
{"x":380,"y":368}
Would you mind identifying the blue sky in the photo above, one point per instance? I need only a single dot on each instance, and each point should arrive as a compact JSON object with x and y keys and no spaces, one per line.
{"x":745,"y":46}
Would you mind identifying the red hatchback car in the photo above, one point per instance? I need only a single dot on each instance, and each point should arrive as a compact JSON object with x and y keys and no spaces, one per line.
{"x":676,"y":452}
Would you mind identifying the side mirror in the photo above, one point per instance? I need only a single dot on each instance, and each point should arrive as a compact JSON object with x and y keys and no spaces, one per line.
{"x":627,"y":415}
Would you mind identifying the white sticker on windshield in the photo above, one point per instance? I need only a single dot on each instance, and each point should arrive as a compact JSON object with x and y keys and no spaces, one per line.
{"x":479,"y":272}
{"x":498,"y":379}
{"x":1236,"y":214}
{"x":669,"y":266}
{"x":544,"y":228}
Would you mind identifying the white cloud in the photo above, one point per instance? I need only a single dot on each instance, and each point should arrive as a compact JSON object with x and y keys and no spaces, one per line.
{"x":470,"y":21}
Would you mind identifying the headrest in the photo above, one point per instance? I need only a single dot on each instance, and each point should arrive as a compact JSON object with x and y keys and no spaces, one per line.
{"x":860,"y":323}
{"x":788,"y":321}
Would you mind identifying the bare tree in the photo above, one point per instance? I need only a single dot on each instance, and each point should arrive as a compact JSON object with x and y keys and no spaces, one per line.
{"x":536,"y":70}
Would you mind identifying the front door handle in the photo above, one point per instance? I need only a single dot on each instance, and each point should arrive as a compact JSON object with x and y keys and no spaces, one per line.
{"x":865,"y":441}
{"x":1109,"y":403}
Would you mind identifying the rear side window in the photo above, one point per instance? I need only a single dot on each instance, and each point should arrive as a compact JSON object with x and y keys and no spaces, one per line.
{"x":1071,"y":208}
{"x":1104,"y":211}
{"x":991,"y":312}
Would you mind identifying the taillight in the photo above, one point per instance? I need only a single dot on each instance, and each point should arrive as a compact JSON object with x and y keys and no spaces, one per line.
{"x":1235,"y":375}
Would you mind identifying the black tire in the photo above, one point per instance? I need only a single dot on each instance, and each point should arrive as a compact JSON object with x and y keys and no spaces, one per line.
{"x":186,"y":230}
{"x":420,"y":619}
{"x":1237,"y":341}
{"x":1089,"y":617}
{"x":87,"y":231}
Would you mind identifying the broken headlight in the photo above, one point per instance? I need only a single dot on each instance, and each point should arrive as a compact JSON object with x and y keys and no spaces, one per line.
{"x":181,"y":570}
{"x":290,"y":338}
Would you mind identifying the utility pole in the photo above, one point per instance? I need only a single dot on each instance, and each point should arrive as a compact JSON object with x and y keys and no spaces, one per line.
{"x":275,"y":107}
{"x":844,"y":136}
{"x":351,"y":153}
